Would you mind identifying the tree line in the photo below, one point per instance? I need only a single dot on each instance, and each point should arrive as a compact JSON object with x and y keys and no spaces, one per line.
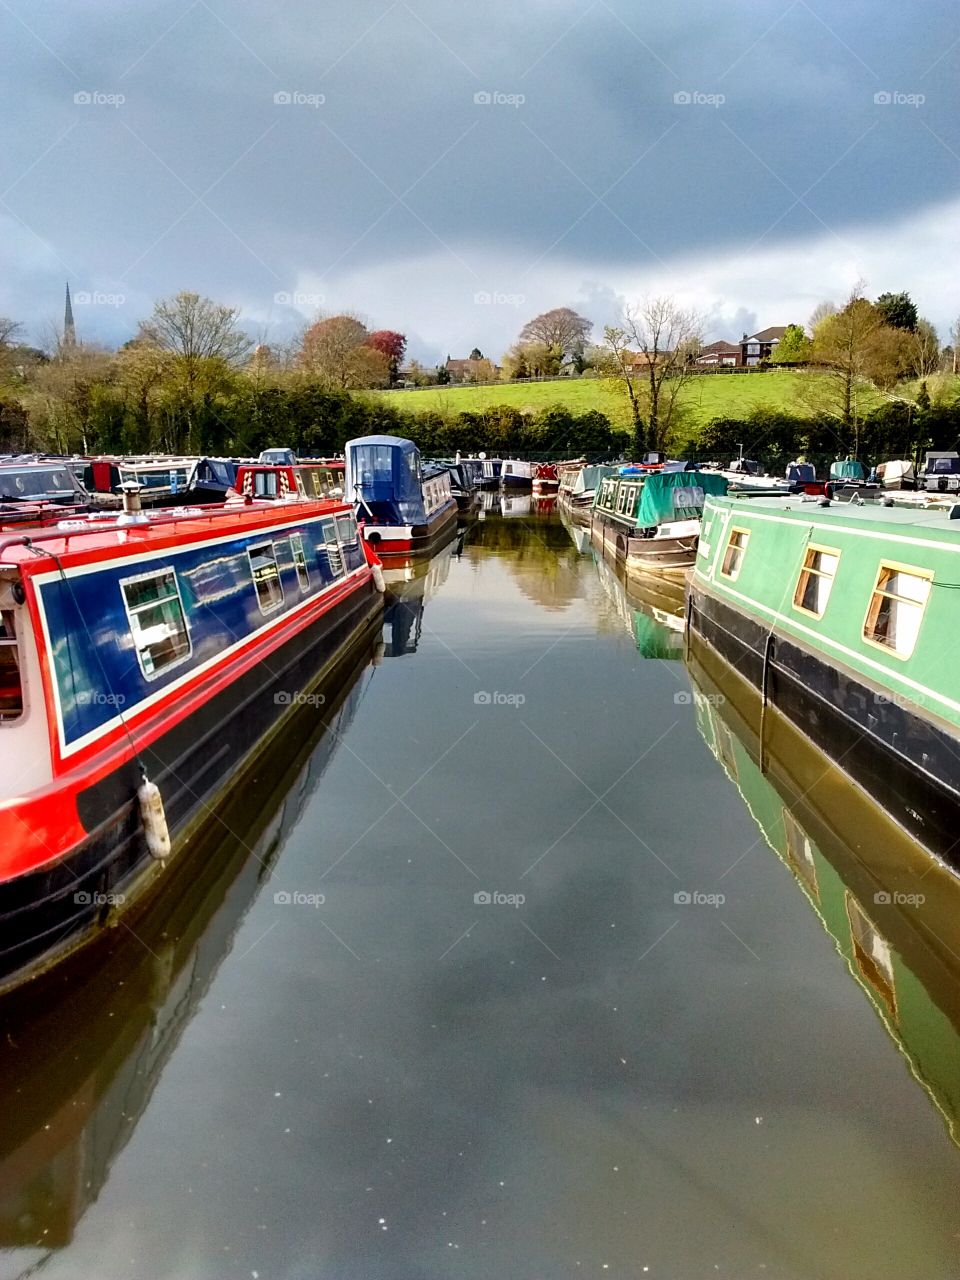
{"x":192,"y":381}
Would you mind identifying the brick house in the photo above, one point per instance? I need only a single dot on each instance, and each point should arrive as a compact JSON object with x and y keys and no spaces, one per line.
{"x":755,"y":347}
{"x":719,"y":353}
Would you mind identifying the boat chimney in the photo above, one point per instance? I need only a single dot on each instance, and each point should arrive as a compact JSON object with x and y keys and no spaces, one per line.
{"x":132,"y":509}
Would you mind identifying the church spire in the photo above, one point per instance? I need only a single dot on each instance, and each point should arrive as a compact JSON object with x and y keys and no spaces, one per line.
{"x":69,"y":328}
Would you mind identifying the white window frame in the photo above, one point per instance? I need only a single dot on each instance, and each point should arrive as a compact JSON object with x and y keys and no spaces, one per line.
{"x":146,"y":577}
{"x":257,"y":546}
{"x":296,"y":539}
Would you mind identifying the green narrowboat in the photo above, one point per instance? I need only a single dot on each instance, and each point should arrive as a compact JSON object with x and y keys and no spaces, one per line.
{"x":894,"y":919}
{"x":846,"y":619}
{"x":651,"y":520}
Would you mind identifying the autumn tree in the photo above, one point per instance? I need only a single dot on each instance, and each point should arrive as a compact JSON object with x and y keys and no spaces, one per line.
{"x":561,"y":329}
{"x":393,"y":345}
{"x":336,"y":351}
{"x":853,"y":346}
{"x":652,"y":355}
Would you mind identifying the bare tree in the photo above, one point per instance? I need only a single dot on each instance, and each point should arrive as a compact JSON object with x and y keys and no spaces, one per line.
{"x":194,"y":330}
{"x":561,"y":328}
{"x":820,"y":312}
{"x":653,"y":354}
{"x":9,"y":329}
{"x":955,"y":342}
{"x":923,"y":349}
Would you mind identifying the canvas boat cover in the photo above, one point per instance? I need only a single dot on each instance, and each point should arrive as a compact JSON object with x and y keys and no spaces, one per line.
{"x":847,"y":469}
{"x":677,"y":495}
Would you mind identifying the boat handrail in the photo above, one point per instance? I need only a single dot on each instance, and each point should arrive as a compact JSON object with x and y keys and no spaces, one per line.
{"x":161,"y":517}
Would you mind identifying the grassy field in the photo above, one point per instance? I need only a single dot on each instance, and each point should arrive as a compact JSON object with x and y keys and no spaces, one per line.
{"x":707,"y":396}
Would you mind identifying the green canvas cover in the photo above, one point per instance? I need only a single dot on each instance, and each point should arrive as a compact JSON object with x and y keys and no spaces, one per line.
{"x":848,"y":469}
{"x":677,"y":495}
{"x":590,"y":477}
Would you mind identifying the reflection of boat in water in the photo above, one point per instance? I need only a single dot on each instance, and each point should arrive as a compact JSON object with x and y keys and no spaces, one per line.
{"x":408,"y":591}
{"x":514,"y":504}
{"x":82,"y":1048}
{"x":893,"y":914}
{"x":579,"y":534}
{"x":650,"y":607}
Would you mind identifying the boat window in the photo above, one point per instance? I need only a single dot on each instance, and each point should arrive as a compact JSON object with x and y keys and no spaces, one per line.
{"x":318,"y":487}
{"x":11,"y":686}
{"x":622,"y":500}
{"x":334,"y":555}
{"x":300,"y":560}
{"x":736,"y":549}
{"x":266,"y":576}
{"x":347,"y":528}
{"x":896,"y":608}
{"x":301,"y":487}
{"x":871,"y":952}
{"x":816,"y":580}
{"x":157,"y":620}
{"x":265,"y":484}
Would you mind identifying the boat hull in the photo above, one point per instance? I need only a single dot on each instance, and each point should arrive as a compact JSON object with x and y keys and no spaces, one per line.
{"x":672,"y":555}
{"x":405,"y":542}
{"x":49,"y":912}
{"x":878,"y":741}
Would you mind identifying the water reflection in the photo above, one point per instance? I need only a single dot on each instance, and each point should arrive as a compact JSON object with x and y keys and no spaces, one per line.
{"x":84,"y":1047}
{"x":650,"y":607}
{"x":408,"y":591}
{"x":893,"y":912}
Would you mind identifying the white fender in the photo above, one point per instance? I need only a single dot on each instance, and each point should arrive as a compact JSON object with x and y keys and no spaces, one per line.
{"x":378,"y":579}
{"x":154,"y":819}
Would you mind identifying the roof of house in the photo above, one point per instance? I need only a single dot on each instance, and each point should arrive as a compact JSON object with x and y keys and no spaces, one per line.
{"x":463,"y":366}
{"x":721,"y":346}
{"x":773,"y":334}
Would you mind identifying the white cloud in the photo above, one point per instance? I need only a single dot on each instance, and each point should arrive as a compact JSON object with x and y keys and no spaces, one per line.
{"x":776,"y":283}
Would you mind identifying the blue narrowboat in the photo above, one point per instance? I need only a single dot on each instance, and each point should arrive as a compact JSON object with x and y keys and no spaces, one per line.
{"x":144,"y":658}
{"x":405,"y":508}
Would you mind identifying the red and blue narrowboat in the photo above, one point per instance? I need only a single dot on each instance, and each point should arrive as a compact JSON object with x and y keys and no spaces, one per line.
{"x":405,"y":508}
{"x":144,"y":657}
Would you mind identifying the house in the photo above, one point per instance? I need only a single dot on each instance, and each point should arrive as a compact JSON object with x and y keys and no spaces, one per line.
{"x":755,"y":347}
{"x":719,"y":353}
{"x":471,"y":370}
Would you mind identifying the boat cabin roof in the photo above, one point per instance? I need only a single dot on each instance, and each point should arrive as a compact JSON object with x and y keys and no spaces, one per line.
{"x":105,"y":533}
{"x":932,"y":519}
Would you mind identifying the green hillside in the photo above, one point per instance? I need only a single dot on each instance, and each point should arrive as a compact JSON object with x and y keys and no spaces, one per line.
{"x":706,"y":396}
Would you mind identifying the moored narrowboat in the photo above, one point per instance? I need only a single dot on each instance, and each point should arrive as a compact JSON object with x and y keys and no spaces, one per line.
{"x":578,"y":487}
{"x":405,"y":508}
{"x":893,"y":916}
{"x":517,"y":474}
{"x":546,"y":478}
{"x":651,"y":520}
{"x":151,"y":645}
{"x":845,"y":617}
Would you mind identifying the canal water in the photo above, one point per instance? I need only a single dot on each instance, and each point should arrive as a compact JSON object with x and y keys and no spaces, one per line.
{"x":509,"y":962}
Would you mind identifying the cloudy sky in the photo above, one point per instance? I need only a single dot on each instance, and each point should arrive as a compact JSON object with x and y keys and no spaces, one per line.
{"x":450,"y":169}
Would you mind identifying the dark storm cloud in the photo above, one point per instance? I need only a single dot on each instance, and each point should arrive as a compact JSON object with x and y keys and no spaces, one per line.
{"x":198,"y":178}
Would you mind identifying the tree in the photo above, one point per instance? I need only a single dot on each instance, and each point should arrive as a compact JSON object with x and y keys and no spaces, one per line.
{"x":793,"y":347}
{"x":561,"y":328}
{"x":845,"y":344}
{"x":336,"y":351}
{"x":923,"y":349}
{"x":666,"y":338}
{"x":393,"y":345}
{"x":955,"y":340}
{"x":8,"y":329}
{"x":204,"y":344}
{"x":898,"y":311}
{"x":820,"y":312}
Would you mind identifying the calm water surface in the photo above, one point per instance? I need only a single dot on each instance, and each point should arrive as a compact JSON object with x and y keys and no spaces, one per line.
{"x":502,"y":1045}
